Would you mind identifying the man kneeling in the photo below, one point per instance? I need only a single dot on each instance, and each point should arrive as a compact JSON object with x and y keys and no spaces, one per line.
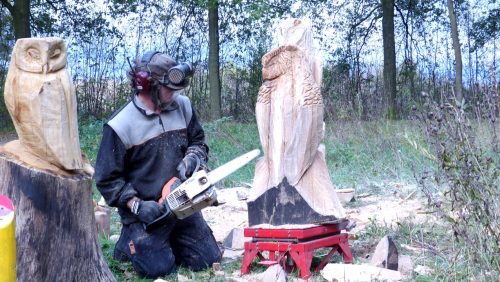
{"x":152,"y":138}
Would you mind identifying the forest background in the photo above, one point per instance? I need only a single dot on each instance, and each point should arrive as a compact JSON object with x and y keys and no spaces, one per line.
{"x":417,"y":76}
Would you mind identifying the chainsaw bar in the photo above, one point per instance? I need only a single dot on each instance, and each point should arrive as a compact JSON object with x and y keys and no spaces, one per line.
{"x":226,"y":169}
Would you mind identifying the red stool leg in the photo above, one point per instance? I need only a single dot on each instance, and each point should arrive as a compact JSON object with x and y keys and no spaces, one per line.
{"x":303,"y":261}
{"x":250,"y":252}
{"x":325,"y":260}
{"x":345,"y":250}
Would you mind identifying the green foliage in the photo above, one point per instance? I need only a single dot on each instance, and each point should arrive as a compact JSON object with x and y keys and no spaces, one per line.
{"x":356,"y":152}
{"x":486,"y":28}
{"x":464,"y":191}
{"x":90,"y":137}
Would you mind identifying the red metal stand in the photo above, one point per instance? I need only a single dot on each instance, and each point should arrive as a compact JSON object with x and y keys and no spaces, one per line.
{"x":295,"y":246}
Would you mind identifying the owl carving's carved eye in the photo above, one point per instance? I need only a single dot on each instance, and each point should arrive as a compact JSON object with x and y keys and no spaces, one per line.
{"x":55,"y":53}
{"x":33,"y":54}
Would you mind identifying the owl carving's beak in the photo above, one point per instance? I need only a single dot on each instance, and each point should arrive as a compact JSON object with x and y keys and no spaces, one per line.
{"x":45,"y":64}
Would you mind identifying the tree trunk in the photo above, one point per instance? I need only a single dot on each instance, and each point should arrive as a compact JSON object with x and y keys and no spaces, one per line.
{"x":213,"y":61}
{"x":55,"y":226}
{"x":389,"y":57}
{"x":21,"y":18}
{"x":456,"y":48}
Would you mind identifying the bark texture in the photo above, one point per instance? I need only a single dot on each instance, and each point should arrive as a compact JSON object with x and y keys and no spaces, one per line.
{"x":213,"y":61}
{"x":389,"y":57}
{"x":456,"y":48}
{"x":55,"y":226}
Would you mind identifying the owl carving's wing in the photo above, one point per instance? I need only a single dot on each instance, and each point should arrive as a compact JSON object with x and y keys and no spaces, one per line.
{"x":307,"y":125}
{"x":9,"y":92}
{"x":56,"y":127}
{"x":277,"y":62}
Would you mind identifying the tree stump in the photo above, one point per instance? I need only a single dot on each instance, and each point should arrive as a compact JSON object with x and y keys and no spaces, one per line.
{"x":55,"y":226}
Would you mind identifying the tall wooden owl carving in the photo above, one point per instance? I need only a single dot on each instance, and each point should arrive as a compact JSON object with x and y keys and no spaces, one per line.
{"x":289,"y":114}
{"x":41,"y":100}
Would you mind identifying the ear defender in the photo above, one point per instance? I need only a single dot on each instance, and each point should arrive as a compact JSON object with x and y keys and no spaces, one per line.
{"x":163,"y":69}
{"x":141,"y":80}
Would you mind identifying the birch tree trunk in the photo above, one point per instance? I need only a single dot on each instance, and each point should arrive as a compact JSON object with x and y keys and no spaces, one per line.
{"x":456,"y":49}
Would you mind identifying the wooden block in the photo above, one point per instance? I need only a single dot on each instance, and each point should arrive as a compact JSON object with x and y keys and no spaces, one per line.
{"x":103,"y":223}
{"x":386,"y":254}
{"x":355,"y":272}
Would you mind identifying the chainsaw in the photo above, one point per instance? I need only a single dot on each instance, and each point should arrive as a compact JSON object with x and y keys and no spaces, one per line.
{"x":197,"y":192}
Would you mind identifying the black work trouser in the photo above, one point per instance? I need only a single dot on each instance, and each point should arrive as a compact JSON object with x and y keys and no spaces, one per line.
{"x":188,"y":242}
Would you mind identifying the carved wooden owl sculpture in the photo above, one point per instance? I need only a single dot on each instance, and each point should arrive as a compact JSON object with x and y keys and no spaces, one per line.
{"x":41,"y":100}
{"x":289,"y":114}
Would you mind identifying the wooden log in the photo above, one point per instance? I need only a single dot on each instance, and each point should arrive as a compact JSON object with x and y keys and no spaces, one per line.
{"x":356,"y":272}
{"x":103,"y":222}
{"x":55,"y":226}
{"x":386,"y":254}
{"x":289,"y":115}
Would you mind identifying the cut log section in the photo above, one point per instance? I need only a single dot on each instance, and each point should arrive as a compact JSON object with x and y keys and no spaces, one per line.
{"x":55,"y":226}
{"x":354,"y":272}
{"x":386,"y":254}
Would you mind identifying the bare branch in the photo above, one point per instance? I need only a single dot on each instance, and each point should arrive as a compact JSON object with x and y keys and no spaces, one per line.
{"x":366,"y":17}
{"x":7,"y":5}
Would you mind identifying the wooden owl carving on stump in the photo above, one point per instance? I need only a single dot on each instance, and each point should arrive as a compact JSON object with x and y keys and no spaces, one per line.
{"x":292,"y":184}
{"x":41,"y":100}
{"x":45,"y":173}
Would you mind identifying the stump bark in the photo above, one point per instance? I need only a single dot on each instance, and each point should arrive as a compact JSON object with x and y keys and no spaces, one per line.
{"x":55,"y":226}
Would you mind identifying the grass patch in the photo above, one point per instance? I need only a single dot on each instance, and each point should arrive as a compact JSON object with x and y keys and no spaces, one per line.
{"x":227,"y":140}
{"x":430,"y":244}
{"x":359,"y":153}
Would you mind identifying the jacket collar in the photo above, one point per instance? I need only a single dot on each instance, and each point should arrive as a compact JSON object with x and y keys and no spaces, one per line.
{"x":165,"y":107}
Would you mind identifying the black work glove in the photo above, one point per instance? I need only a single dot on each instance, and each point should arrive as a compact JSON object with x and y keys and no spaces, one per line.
{"x":147,"y":211}
{"x":188,"y":166}
{"x":164,"y":219}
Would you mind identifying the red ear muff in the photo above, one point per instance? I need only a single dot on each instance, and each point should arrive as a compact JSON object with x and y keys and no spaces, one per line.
{"x":142,"y":81}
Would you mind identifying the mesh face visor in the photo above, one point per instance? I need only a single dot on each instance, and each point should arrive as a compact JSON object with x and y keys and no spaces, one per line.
{"x":177,"y":74}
